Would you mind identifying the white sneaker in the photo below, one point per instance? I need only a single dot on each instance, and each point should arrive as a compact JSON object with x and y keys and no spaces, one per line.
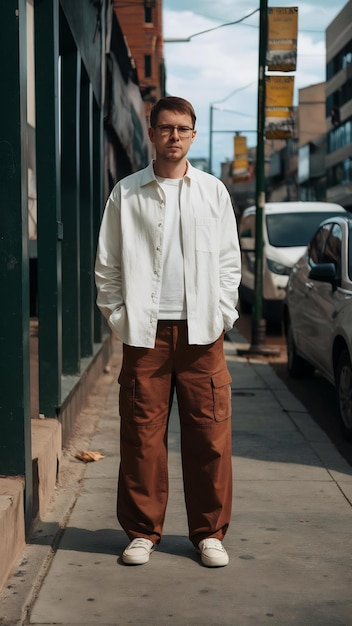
{"x":213,"y":553}
{"x":138,"y":551}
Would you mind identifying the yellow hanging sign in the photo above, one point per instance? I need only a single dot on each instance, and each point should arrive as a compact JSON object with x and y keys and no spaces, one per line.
{"x":240,"y":167}
{"x":279,"y":111}
{"x":282,"y":39}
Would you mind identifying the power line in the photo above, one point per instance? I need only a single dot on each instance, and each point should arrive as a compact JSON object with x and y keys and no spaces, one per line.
{"x":236,"y":112}
{"x":227,"y":24}
{"x":209,"y":30}
{"x":234,"y":92}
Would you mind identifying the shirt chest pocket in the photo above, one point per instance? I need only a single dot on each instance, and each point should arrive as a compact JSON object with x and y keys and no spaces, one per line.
{"x":207,"y":235}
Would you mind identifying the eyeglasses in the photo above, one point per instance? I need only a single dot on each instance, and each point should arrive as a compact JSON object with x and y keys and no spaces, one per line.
{"x":168,"y":129}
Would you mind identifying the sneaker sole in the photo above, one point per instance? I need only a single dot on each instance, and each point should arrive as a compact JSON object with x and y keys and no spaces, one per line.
{"x":136,"y":560}
{"x":129,"y":560}
{"x":209,"y":562}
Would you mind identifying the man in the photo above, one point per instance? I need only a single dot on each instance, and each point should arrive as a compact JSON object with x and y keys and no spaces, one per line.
{"x":167,"y":275}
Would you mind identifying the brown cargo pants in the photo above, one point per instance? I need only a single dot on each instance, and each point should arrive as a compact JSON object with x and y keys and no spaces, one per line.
{"x":147,"y":380}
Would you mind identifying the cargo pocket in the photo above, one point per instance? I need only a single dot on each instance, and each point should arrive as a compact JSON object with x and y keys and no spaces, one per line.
{"x":126,"y":396}
{"x":221,"y":395}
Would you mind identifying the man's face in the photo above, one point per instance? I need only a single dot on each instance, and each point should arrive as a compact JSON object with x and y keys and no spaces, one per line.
{"x":172,"y":144}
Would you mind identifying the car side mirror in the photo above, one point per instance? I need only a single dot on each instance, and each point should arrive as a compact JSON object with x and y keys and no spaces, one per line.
{"x":324,"y":273}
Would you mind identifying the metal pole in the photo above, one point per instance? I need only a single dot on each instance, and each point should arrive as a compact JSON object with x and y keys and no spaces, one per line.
{"x":50,"y":227}
{"x":15,"y":414}
{"x":211,"y":139}
{"x":258,"y":323}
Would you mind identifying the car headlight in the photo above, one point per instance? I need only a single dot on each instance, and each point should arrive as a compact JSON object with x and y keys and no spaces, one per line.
{"x":278,"y":268}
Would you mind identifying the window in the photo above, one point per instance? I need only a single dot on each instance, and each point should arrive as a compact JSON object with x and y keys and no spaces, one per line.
{"x":293,"y":229}
{"x":340,"y":136}
{"x":317,"y":245}
{"x":339,"y":61}
{"x":326,"y":246}
{"x":349,"y":252}
{"x":147,"y":65}
{"x":148,"y":15}
{"x":332,"y":252}
{"x":341,"y":173}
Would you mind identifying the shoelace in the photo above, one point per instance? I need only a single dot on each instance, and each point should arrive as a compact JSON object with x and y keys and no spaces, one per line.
{"x":140,"y":542}
{"x":213,"y":543}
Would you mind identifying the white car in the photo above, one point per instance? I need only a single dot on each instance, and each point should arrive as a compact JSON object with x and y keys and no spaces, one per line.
{"x":318,"y":312}
{"x":287,"y":229}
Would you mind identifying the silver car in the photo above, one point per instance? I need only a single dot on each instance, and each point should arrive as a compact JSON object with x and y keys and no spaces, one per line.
{"x":287,"y":228}
{"x":318,"y":312}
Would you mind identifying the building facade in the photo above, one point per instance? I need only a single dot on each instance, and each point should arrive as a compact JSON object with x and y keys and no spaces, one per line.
{"x":315,"y":164}
{"x":72,"y":124}
{"x":141,"y":23}
{"x":312,"y":143}
{"x":339,"y":108}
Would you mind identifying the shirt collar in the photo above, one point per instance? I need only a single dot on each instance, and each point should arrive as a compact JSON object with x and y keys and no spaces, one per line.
{"x":148,"y":175}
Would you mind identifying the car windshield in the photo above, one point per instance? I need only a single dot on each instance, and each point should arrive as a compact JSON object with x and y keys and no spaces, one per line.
{"x":287,"y":230}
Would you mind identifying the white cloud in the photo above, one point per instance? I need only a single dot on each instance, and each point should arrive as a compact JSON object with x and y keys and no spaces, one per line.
{"x":212,"y":66}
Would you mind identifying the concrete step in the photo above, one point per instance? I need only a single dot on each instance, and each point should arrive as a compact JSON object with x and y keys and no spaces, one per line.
{"x":12,"y":531}
{"x":46,"y":455}
{"x":49,"y":436}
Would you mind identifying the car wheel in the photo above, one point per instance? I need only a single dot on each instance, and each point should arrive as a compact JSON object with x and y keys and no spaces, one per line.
{"x":296,"y":365}
{"x":344,"y":393}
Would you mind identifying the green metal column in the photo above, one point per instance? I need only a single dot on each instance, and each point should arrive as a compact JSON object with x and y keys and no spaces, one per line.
{"x":49,"y":233}
{"x":98,"y":200}
{"x":70,"y":107}
{"x":15,"y":423}
{"x":258,"y":345}
{"x":260,"y":165}
{"x":86,"y":218}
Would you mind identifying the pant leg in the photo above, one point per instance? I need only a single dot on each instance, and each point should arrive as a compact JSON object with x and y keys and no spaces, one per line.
{"x":204,"y":399}
{"x":144,"y":402}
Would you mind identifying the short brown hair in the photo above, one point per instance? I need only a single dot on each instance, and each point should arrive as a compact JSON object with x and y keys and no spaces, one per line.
{"x":172,"y":103}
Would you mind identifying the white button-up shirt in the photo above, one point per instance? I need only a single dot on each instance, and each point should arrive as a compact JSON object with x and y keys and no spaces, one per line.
{"x":128,"y":267}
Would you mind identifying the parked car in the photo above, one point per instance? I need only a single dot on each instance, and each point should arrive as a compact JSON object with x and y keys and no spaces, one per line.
{"x":287,"y":229}
{"x":318,"y":312}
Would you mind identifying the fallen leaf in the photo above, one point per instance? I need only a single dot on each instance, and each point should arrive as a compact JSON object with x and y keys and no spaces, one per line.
{"x":87,"y":456}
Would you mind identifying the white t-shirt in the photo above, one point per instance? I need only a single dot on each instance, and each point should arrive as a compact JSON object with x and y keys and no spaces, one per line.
{"x":172,"y":297}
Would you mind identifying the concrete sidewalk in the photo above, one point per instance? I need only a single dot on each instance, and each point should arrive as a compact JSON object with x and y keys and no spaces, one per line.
{"x":290,"y":542}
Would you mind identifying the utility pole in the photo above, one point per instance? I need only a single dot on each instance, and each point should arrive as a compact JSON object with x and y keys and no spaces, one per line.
{"x":258,"y":345}
{"x":211,"y":139}
{"x":258,"y":324}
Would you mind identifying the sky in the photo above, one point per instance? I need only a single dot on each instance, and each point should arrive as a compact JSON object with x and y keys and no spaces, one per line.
{"x":220,"y":68}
